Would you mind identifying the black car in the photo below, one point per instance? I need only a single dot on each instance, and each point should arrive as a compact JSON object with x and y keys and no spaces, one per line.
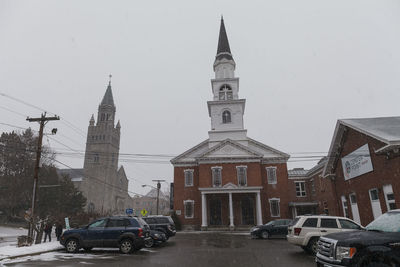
{"x":272,"y":228}
{"x":163,"y":224}
{"x":377,"y":245}
{"x":156,"y":237}
{"x":126,"y":233}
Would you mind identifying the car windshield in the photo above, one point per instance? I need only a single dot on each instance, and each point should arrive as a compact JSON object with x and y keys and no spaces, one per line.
{"x":270,"y":223}
{"x":388,"y":222}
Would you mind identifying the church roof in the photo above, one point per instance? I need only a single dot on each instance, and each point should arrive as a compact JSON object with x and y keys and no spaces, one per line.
{"x":108,"y":97}
{"x":223,"y":50}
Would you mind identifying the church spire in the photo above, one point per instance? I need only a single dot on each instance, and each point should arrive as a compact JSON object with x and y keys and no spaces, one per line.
{"x":223,"y":50}
{"x":108,"y":97}
{"x":224,"y":65}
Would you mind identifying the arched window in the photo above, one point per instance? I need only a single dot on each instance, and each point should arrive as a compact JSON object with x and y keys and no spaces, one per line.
{"x":225,"y":92}
{"x":102,"y":117}
{"x":226,"y":117}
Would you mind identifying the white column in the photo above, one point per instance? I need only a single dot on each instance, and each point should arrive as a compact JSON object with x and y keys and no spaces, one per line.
{"x":258,"y":207}
{"x":203,"y":210}
{"x":231,"y":211}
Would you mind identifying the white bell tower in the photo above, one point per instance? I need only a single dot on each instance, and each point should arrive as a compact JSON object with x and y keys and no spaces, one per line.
{"x":226,"y":109}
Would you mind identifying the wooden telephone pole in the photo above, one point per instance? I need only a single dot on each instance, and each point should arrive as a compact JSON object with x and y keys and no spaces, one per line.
{"x":158,"y":191}
{"x":42,"y":121}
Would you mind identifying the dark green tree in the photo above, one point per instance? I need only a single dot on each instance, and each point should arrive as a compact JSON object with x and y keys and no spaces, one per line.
{"x":56,"y":196}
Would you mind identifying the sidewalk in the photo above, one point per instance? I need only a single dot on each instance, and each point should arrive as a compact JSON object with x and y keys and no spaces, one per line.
{"x":11,"y":251}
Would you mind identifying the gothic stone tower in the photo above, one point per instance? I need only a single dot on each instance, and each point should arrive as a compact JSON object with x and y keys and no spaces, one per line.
{"x":101,"y":157}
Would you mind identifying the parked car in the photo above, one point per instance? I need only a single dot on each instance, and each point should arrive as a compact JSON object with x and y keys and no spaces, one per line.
{"x":306,"y":230}
{"x":161,"y":223}
{"x":272,"y":228}
{"x":377,"y":245}
{"x":126,"y":233}
{"x":156,"y":237}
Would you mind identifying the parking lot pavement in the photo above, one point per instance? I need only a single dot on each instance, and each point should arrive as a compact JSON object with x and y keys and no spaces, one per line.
{"x":205,"y":249}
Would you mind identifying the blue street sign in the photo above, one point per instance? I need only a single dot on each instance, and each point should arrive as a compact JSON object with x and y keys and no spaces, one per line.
{"x":129,"y":211}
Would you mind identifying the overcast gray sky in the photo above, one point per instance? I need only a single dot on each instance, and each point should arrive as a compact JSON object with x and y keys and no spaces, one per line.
{"x":302,"y":65}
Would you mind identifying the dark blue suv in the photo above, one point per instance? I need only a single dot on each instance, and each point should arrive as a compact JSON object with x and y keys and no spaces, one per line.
{"x":124,"y":232}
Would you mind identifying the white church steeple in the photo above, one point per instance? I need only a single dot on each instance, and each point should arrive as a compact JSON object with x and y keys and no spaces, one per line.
{"x":226,"y":109}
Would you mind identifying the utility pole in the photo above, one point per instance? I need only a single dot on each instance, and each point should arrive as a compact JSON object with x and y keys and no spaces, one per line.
{"x":158,"y":191}
{"x":42,"y":121}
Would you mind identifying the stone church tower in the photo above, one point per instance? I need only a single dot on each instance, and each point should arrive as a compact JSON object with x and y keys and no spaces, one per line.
{"x":104,"y":185}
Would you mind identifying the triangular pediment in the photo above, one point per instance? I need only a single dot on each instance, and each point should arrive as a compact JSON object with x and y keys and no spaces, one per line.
{"x":230,"y":186}
{"x":230,"y":149}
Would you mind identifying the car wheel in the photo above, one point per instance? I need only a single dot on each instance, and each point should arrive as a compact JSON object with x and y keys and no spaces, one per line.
{"x":72,"y":245}
{"x":312,"y":245}
{"x":126,"y":246}
{"x":149,"y":242}
{"x":88,"y":249}
{"x":264,"y":235}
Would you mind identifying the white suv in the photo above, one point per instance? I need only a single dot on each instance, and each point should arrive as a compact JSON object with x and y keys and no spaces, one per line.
{"x":306,"y":230}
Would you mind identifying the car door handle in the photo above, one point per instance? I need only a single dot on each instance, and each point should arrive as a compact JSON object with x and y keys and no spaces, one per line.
{"x":323,"y":231}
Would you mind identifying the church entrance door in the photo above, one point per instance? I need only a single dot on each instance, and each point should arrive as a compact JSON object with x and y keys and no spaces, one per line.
{"x":215,"y":211}
{"x":247,"y":205}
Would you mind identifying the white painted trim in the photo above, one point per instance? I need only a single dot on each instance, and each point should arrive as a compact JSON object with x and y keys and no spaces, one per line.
{"x":279,"y":206}
{"x":221,"y":190}
{"x":388,"y":189}
{"x":305,"y":191}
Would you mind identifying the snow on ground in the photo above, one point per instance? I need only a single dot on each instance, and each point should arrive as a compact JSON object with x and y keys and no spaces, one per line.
{"x":96,"y":253}
{"x":6,"y":231}
{"x":57,"y":256}
{"x":11,"y":251}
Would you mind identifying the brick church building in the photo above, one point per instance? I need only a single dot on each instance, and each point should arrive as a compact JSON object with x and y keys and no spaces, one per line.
{"x":229,"y":179}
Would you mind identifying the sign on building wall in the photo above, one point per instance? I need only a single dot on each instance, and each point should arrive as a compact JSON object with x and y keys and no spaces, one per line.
{"x":357,"y":163}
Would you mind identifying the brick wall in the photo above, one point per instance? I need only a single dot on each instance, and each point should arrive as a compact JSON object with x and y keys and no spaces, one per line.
{"x":256,"y":176}
{"x":385,"y":171}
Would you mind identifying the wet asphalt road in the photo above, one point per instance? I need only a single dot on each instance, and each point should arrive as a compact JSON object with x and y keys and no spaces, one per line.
{"x":187,"y":249}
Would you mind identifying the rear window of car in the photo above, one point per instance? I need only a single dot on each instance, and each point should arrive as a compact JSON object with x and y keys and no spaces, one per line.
{"x":328,"y":223}
{"x":310,"y":222}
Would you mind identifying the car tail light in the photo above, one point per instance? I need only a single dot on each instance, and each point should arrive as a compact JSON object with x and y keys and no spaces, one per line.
{"x":297,"y":231}
{"x":140,"y":232}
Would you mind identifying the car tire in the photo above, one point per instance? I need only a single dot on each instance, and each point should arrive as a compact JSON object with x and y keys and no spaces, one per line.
{"x":312,"y":245}
{"x":148,"y":243}
{"x":88,"y":249}
{"x":126,"y":246}
{"x":265,"y":235}
{"x":72,"y":245}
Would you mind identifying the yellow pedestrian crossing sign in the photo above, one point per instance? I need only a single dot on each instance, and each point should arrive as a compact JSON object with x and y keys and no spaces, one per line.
{"x":143,"y":212}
